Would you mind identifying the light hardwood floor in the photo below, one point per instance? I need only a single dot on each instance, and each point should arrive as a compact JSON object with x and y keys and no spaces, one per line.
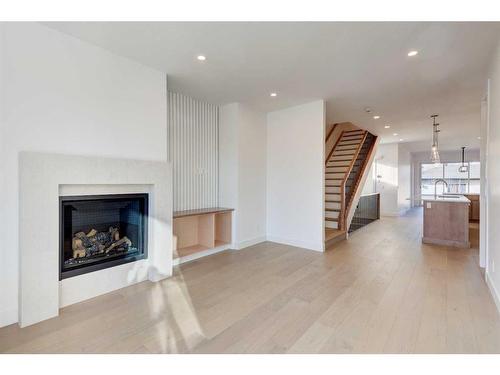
{"x":380,"y":292}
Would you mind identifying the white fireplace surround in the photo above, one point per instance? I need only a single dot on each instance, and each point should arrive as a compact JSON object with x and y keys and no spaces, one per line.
{"x":42,"y":179}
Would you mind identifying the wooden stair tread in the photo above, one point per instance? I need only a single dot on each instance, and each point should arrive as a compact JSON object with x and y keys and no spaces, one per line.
{"x":331,"y":233}
{"x":351,"y":138}
{"x":349,"y":143}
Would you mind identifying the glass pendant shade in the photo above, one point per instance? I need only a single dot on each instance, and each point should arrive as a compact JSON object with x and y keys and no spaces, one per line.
{"x":434,"y":149}
{"x":463,"y":168}
{"x":435,"y":155}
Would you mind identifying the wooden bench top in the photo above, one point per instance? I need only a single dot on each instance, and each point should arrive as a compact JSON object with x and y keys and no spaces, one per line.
{"x":201,"y":211}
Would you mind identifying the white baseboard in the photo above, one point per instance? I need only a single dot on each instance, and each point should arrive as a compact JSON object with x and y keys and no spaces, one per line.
{"x":8,"y":317}
{"x":493,"y":291}
{"x":305,"y":245}
{"x":246,"y":243}
{"x":200,"y":254}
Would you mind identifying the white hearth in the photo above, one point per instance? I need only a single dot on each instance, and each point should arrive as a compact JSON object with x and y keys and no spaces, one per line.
{"x":43,"y":179}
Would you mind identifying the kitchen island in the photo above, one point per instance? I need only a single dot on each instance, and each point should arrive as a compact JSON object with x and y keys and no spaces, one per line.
{"x":446,"y":221}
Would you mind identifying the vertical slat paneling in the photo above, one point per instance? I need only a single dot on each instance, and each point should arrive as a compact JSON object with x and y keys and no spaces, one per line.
{"x":193,"y":129}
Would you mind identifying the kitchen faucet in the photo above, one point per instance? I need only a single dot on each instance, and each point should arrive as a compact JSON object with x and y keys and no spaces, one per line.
{"x":435,"y":186}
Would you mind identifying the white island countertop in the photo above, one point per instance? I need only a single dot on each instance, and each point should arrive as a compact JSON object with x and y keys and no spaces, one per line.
{"x":447,"y":198}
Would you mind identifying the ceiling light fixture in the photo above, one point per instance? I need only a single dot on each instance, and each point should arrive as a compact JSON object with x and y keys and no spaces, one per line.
{"x":394,"y":134}
{"x":401,"y":140}
{"x":376,"y":117}
{"x":387,"y":126}
{"x":273,"y":94}
{"x":413,"y":53}
{"x":435,"y":143}
{"x":201,"y":57}
{"x":478,"y":137}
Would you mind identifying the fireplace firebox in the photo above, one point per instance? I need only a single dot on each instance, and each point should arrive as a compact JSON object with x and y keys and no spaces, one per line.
{"x":101,"y":231}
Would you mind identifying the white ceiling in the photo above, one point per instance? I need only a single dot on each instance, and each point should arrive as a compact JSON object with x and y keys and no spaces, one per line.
{"x":351,"y":65}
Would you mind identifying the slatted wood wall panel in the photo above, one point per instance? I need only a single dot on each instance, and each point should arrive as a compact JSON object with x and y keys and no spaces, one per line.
{"x":193,"y":150}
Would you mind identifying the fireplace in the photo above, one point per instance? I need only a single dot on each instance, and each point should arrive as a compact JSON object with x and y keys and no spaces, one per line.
{"x":101,"y":231}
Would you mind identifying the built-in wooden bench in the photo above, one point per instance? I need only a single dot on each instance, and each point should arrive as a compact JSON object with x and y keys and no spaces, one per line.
{"x":201,"y":232}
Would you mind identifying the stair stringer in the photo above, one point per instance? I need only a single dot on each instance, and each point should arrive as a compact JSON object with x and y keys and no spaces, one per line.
{"x":361,"y":184}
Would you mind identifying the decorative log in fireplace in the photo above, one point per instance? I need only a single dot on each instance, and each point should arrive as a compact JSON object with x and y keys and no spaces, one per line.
{"x":96,"y":243}
{"x":102,"y":231}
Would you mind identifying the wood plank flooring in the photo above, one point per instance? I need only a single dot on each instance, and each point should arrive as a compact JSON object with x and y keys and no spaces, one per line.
{"x":382,"y":291}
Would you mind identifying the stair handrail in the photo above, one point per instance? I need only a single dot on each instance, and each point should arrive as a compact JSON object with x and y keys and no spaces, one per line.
{"x":343,"y":210}
{"x":363,"y":168}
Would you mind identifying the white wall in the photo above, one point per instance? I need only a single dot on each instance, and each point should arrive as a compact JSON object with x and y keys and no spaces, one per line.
{"x":242,"y":171}
{"x":484,"y":189}
{"x":493,"y":179}
{"x":252,"y":177}
{"x":62,"y":95}
{"x":404,"y":179}
{"x":369,"y":186}
{"x":393,"y":165}
{"x":386,"y":171}
{"x":295,"y":175}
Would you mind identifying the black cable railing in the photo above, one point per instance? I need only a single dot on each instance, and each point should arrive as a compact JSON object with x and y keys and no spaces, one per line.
{"x":367,"y":211}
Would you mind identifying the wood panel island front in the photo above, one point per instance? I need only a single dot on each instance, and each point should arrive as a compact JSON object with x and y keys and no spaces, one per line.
{"x":446,"y":221}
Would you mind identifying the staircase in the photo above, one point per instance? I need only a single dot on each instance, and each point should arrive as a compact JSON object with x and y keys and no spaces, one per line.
{"x":344,"y":169}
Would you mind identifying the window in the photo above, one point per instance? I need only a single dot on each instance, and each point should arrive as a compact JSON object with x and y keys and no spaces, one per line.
{"x":458,"y":182}
{"x":429,"y":173}
{"x":474,"y":177}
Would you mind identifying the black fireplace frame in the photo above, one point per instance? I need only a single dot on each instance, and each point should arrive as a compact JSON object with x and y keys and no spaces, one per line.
{"x":105,"y":263}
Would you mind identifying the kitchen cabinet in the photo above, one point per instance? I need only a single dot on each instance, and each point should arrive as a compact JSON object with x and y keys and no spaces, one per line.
{"x":474,"y":207}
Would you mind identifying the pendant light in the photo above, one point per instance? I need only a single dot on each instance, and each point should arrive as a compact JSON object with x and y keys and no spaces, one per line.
{"x":463,"y":168}
{"x":434,"y":149}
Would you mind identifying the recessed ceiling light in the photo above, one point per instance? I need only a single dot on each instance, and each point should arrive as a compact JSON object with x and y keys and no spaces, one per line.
{"x":387,"y":126}
{"x":395,"y":134}
{"x":401,"y":140}
{"x":273,"y":94}
{"x":413,"y":53}
{"x":376,"y":117}
{"x":201,"y":57}
{"x":478,"y":137}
